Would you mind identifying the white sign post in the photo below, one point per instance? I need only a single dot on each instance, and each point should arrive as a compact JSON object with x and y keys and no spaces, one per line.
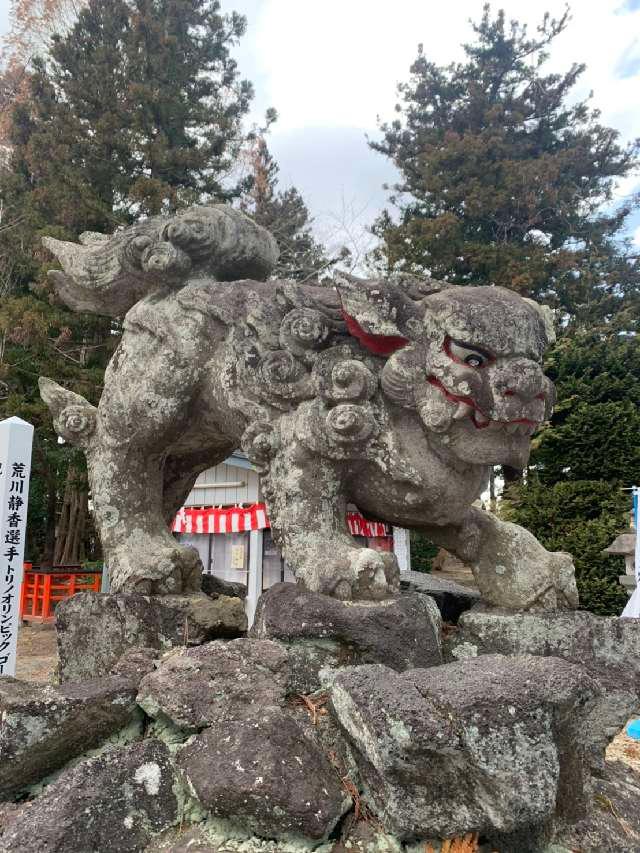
{"x":16,"y":438}
{"x":632,"y":609}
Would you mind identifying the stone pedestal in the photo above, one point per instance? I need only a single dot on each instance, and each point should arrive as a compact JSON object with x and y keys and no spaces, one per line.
{"x":281,"y":742}
{"x":403,"y":632}
{"x":608,"y":648}
{"x":452,"y":598}
{"x":95,"y":629}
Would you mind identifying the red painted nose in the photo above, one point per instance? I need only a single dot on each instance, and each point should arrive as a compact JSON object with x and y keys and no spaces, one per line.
{"x":511,"y":393}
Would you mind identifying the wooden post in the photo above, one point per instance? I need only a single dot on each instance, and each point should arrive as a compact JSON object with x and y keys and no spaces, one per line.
{"x":402,"y":548}
{"x":254,"y":577}
{"x":16,"y":439}
{"x":46,"y":596}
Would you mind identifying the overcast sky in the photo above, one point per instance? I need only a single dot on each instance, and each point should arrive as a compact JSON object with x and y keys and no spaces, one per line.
{"x":331,"y":69}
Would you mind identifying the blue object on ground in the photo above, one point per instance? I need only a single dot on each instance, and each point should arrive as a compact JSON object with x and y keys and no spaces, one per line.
{"x":633,"y":729}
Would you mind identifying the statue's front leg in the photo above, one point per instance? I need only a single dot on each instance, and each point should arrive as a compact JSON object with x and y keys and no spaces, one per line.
{"x":511,"y":568}
{"x":307,"y":508}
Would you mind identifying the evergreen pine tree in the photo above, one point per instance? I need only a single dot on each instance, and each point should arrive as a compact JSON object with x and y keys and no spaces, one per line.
{"x":574,"y":498}
{"x":506,"y":180}
{"x":136,"y":109}
{"x":284,"y":214}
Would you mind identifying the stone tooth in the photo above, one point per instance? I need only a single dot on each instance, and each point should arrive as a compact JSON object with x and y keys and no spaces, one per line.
{"x":463,"y":411}
{"x":480,"y":419}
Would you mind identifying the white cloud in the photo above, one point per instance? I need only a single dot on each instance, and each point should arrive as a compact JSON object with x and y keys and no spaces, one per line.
{"x":338,"y":62}
{"x":331,"y":68}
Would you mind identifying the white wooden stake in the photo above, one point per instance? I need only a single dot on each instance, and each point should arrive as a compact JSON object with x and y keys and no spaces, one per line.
{"x":254,"y":578}
{"x":16,"y":439}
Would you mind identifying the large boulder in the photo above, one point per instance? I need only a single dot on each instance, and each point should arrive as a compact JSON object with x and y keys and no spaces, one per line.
{"x":44,"y":727}
{"x":402,"y":632}
{"x":613,"y":821}
{"x":214,"y":587}
{"x":95,"y":629}
{"x":491,"y":745}
{"x":452,"y":598}
{"x":216,"y":681}
{"x":263,"y":772}
{"x":607,"y":647}
{"x":114,"y":802}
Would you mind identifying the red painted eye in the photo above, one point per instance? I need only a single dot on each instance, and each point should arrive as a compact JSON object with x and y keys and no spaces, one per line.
{"x":466,"y":354}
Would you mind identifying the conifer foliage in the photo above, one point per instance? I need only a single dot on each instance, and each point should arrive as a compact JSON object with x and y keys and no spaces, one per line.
{"x":505,"y":178}
{"x":284,"y":213}
{"x":134,"y":107}
{"x":138,"y":108}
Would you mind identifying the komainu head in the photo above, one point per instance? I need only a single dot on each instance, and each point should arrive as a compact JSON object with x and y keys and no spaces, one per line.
{"x":467,"y":359}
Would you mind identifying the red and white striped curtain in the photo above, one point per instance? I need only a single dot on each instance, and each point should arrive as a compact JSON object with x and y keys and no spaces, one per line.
{"x":359,"y":526}
{"x":229,"y":520}
{"x":242,"y":519}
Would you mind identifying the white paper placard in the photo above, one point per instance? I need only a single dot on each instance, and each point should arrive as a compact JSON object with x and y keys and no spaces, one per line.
{"x":16,"y":439}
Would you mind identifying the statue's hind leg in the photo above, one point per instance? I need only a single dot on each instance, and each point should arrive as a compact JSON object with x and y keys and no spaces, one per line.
{"x":126,"y":442}
{"x":127,"y":487}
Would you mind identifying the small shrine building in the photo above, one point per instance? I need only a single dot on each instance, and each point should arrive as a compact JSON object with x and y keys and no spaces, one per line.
{"x":225,"y":519}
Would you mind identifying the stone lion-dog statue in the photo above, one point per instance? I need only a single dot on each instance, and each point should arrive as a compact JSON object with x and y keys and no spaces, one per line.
{"x":396,"y":395}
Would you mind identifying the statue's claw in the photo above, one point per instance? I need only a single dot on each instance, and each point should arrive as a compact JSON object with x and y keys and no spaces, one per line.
{"x":362,"y":575}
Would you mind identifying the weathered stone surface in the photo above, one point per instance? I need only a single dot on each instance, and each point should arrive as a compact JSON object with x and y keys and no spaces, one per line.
{"x":452,"y":598}
{"x":114,"y":802}
{"x":44,"y":727}
{"x":489,"y":744}
{"x":214,"y":586}
{"x":94,"y":630}
{"x":607,"y":647}
{"x":397,"y":395}
{"x":612,"y":822}
{"x":215,"y":682}
{"x":263,"y":772}
{"x":403,"y":632}
{"x":191,"y":840}
{"x":513,"y":570}
{"x":579,"y":637}
{"x":136,"y":662}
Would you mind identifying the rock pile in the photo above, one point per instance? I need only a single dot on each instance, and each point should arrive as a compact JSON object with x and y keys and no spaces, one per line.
{"x":332,"y":727}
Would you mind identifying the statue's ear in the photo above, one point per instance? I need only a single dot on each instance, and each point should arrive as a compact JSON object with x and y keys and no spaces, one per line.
{"x":379,"y":314}
{"x":546,"y":315}
{"x":74,"y":418}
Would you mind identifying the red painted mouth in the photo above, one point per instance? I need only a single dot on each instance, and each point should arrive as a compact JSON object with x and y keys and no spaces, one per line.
{"x":519,"y":426}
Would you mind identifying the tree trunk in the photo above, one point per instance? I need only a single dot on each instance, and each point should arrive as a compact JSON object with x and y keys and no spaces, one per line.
{"x":50,"y":532}
{"x":72,"y":521}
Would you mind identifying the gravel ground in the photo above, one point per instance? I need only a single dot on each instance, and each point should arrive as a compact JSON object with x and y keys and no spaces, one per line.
{"x":625,"y":749}
{"x":37,"y":653}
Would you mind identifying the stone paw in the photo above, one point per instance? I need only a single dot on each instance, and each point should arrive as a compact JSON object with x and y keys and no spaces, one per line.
{"x":167,"y":571}
{"x":365,"y":575}
{"x":565,"y":581}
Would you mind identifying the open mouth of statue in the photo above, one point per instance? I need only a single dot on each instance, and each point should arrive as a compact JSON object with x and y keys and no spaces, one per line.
{"x":467,"y":408}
